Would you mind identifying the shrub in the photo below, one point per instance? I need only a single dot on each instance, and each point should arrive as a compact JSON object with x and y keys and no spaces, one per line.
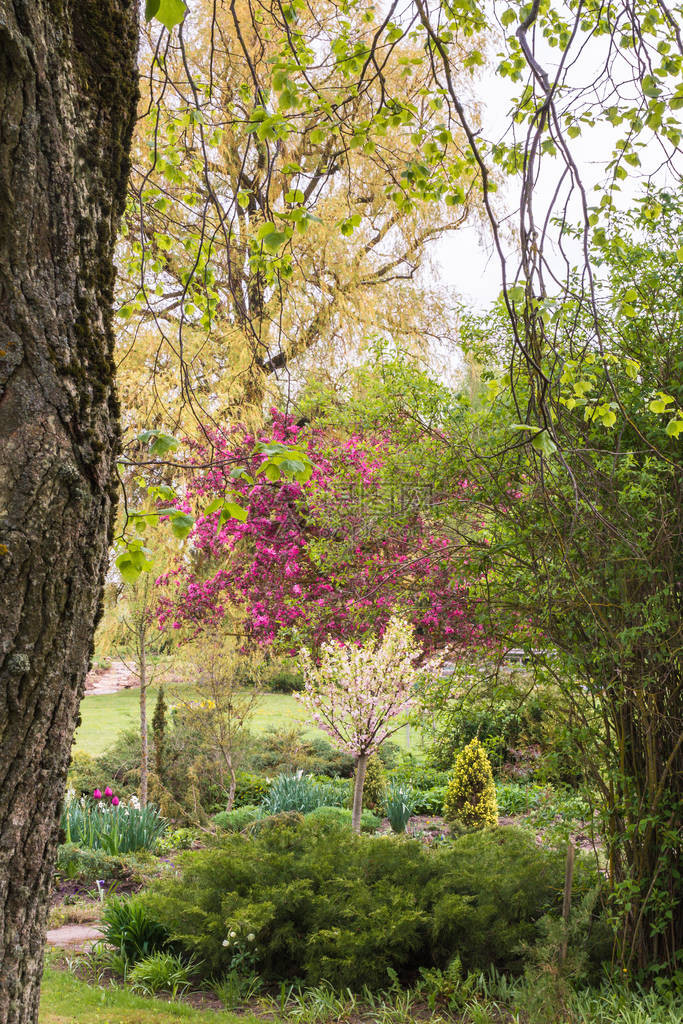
{"x":86,"y":866}
{"x":237,"y":820}
{"x":289,"y":750}
{"x":399,"y":804}
{"x":429,"y":801}
{"x":178,"y":839}
{"x":162,"y":972}
{"x":341,"y":817}
{"x":327,"y":905}
{"x":128,"y":926}
{"x":112,"y":827}
{"x":375,"y":783}
{"x":251,"y":789}
{"x":471,"y":794}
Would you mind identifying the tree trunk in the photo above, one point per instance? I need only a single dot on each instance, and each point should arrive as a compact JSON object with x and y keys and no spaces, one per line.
{"x":361,"y":768}
{"x":233,"y":786}
{"x":68,"y":92}
{"x":144,"y":744}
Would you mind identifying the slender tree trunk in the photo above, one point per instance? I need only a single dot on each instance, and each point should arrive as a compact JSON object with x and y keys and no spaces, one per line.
{"x":233,"y":785}
{"x":361,"y":768}
{"x":144,"y":746}
{"x":68,"y":92}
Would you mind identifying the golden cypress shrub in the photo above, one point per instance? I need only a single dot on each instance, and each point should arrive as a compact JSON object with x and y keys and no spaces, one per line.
{"x":375,"y":783}
{"x":471,"y":795}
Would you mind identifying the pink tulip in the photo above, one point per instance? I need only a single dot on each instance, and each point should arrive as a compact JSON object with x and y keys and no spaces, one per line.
{"x":115,"y":801}
{"x":108,"y":791}
{"x":96,"y":793}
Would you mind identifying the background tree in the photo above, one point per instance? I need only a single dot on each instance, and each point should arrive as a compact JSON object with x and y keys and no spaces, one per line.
{"x":257,"y":246}
{"x":579,"y":549}
{"x":223,"y":708}
{"x":68,"y":93}
{"x":356,"y":693}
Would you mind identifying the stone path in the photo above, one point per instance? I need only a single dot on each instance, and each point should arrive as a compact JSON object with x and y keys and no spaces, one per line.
{"x":73,"y":936}
{"x":110,"y":680}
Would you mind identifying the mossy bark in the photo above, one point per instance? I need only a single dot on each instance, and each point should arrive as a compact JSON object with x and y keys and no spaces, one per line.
{"x":68,"y":94}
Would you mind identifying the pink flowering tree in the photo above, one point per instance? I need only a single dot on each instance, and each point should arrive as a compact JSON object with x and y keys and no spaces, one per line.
{"x":357,"y":693}
{"x":316,"y":559}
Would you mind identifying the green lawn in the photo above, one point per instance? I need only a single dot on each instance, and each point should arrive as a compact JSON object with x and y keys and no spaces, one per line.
{"x":105,"y":715}
{"x":66,"y":1000}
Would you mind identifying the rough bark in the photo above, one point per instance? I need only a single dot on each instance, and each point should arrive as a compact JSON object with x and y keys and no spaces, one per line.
{"x":68,"y":91}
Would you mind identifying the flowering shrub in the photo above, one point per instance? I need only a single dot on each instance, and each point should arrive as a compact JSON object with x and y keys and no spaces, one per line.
{"x":357,"y":693}
{"x":305,"y":562}
{"x":104,"y":823}
{"x":471,"y":793}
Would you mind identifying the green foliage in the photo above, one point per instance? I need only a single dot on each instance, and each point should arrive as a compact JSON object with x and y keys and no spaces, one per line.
{"x":340,"y":817}
{"x":162,"y":972}
{"x":238,"y":819}
{"x":297,"y":793}
{"x":85,"y":774}
{"x":375,"y":783}
{"x":159,"y":732}
{"x":429,"y":801}
{"x":399,"y":804}
{"x":471,"y":794}
{"x":100,"y":826}
{"x":86,"y":866}
{"x":128,"y":926}
{"x":288,"y":750}
{"x":178,"y":839}
{"x":251,"y":789}
{"x":325,"y":904}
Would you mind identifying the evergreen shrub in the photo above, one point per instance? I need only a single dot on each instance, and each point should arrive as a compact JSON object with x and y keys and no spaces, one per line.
{"x":327,"y":905}
{"x":471,"y":794}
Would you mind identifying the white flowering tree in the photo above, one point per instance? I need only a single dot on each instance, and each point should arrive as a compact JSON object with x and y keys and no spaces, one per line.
{"x":357,"y":693}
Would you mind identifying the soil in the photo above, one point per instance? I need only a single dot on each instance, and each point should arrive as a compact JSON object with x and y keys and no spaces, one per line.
{"x":117,"y":676}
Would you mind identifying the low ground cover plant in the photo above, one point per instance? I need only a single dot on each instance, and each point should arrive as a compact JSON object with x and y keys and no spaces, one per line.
{"x":349,"y":910}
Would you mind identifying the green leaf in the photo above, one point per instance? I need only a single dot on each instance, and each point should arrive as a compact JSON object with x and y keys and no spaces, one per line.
{"x":170,"y":13}
{"x":674,"y":427}
{"x":232,"y":510}
{"x":609,"y":419}
{"x":159,"y":444}
{"x":679,"y":254}
{"x":129,"y":572}
{"x":213,"y":506}
{"x":274,"y":240}
{"x":659,"y":404}
{"x":181,"y":524}
{"x":151,"y":8}
{"x":544,"y":444}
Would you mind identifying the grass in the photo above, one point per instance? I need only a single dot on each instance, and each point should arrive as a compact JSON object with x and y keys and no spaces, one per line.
{"x":66,"y":1000}
{"x":104,"y":716}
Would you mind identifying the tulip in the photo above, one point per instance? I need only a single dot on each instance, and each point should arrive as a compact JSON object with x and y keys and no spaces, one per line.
{"x":108,"y":792}
{"x":96,"y":793}
{"x":115,"y":801}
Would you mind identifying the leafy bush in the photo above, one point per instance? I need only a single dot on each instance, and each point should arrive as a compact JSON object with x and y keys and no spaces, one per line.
{"x":429,"y":801}
{"x":289,"y":751}
{"x":237,"y":820}
{"x":471,"y":794}
{"x":128,"y":926}
{"x":375,"y":783}
{"x":341,"y":817}
{"x":251,"y":789}
{"x":297,"y":793}
{"x":162,"y":972}
{"x":178,"y":839}
{"x":114,"y":829}
{"x":398,"y":804}
{"x":325,"y":904}
{"x":86,"y":866}
{"x":543,"y":804}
